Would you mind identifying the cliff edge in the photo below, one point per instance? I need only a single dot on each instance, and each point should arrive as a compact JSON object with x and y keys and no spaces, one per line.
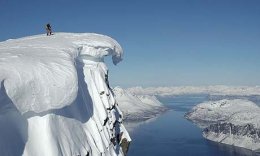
{"x":55,"y":98}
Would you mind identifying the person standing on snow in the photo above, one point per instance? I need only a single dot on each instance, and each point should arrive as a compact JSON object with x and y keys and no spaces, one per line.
{"x":48,"y":29}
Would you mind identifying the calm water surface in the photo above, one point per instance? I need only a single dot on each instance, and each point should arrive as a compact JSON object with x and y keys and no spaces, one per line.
{"x":172,"y":135}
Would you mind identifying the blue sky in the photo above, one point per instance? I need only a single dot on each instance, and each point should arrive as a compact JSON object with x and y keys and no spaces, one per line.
{"x":166,"y":42}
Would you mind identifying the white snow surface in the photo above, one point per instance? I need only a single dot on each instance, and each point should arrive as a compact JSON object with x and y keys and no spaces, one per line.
{"x":137,"y":107}
{"x":50,"y":98}
{"x":238,"y":112}
{"x":34,"y":68}
{"x":212,"y":90}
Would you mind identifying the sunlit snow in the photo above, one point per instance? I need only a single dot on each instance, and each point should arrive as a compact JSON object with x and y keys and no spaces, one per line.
{"x":54,"y":97}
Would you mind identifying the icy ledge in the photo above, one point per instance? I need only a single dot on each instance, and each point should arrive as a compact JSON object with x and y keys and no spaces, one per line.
{"x":234,"y":122}
{"x":55,"y":98}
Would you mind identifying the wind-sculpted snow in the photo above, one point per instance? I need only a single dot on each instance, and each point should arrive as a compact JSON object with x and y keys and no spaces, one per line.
{"x":137,"y":107}
{"x":35,"y":68}
{"x":235,"y":122}
{"x":55,"y":98}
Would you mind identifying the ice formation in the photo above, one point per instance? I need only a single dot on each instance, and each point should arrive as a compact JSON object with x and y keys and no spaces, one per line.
{"x":55,"y":99}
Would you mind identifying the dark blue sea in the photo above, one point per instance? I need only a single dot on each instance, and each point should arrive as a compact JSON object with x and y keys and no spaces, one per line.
{"x":170,"y":134}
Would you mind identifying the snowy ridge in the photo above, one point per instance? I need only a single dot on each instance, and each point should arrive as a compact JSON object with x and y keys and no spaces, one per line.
{"x":137,"y":107}
{"x":212,"y":90}
{"x":235,"y":122}
{"x":50,"y":62}
{"x":55,"y":97}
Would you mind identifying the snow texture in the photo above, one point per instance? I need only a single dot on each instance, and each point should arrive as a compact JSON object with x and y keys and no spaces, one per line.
{"x":235,"y":122}
{"x":212,"y":90}
{"x":137,"y":107}
{"x":55,"y":99}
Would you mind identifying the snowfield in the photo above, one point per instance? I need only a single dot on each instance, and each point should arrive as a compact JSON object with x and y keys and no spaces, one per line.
{"x":55,"y":98}
{"x":137,"y":107}
{"x":211,"y":90}
{"x":235,"y":122}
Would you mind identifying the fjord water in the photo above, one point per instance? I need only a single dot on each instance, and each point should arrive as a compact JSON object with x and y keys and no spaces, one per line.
{"x":170,"y":134}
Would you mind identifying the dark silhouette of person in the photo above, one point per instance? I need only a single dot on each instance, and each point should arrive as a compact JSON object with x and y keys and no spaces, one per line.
{"x":48,"y":29}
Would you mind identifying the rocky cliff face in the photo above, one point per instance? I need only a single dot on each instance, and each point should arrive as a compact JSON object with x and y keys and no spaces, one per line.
{"x":246,"y":136}
{"x":228,"y":128}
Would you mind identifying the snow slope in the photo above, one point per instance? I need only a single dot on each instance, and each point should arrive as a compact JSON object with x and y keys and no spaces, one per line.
{"x":55,"y":99}
{"x":137,"y":107}
{"x":235,"y":122}
{"x":212,"y":90}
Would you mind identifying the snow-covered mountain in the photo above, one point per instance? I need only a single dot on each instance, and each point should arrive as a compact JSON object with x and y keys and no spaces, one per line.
{"x":55,"y":99}
{"x":235,"y":122}
{"x":212,"y":90}
{"x":137,"y":107}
